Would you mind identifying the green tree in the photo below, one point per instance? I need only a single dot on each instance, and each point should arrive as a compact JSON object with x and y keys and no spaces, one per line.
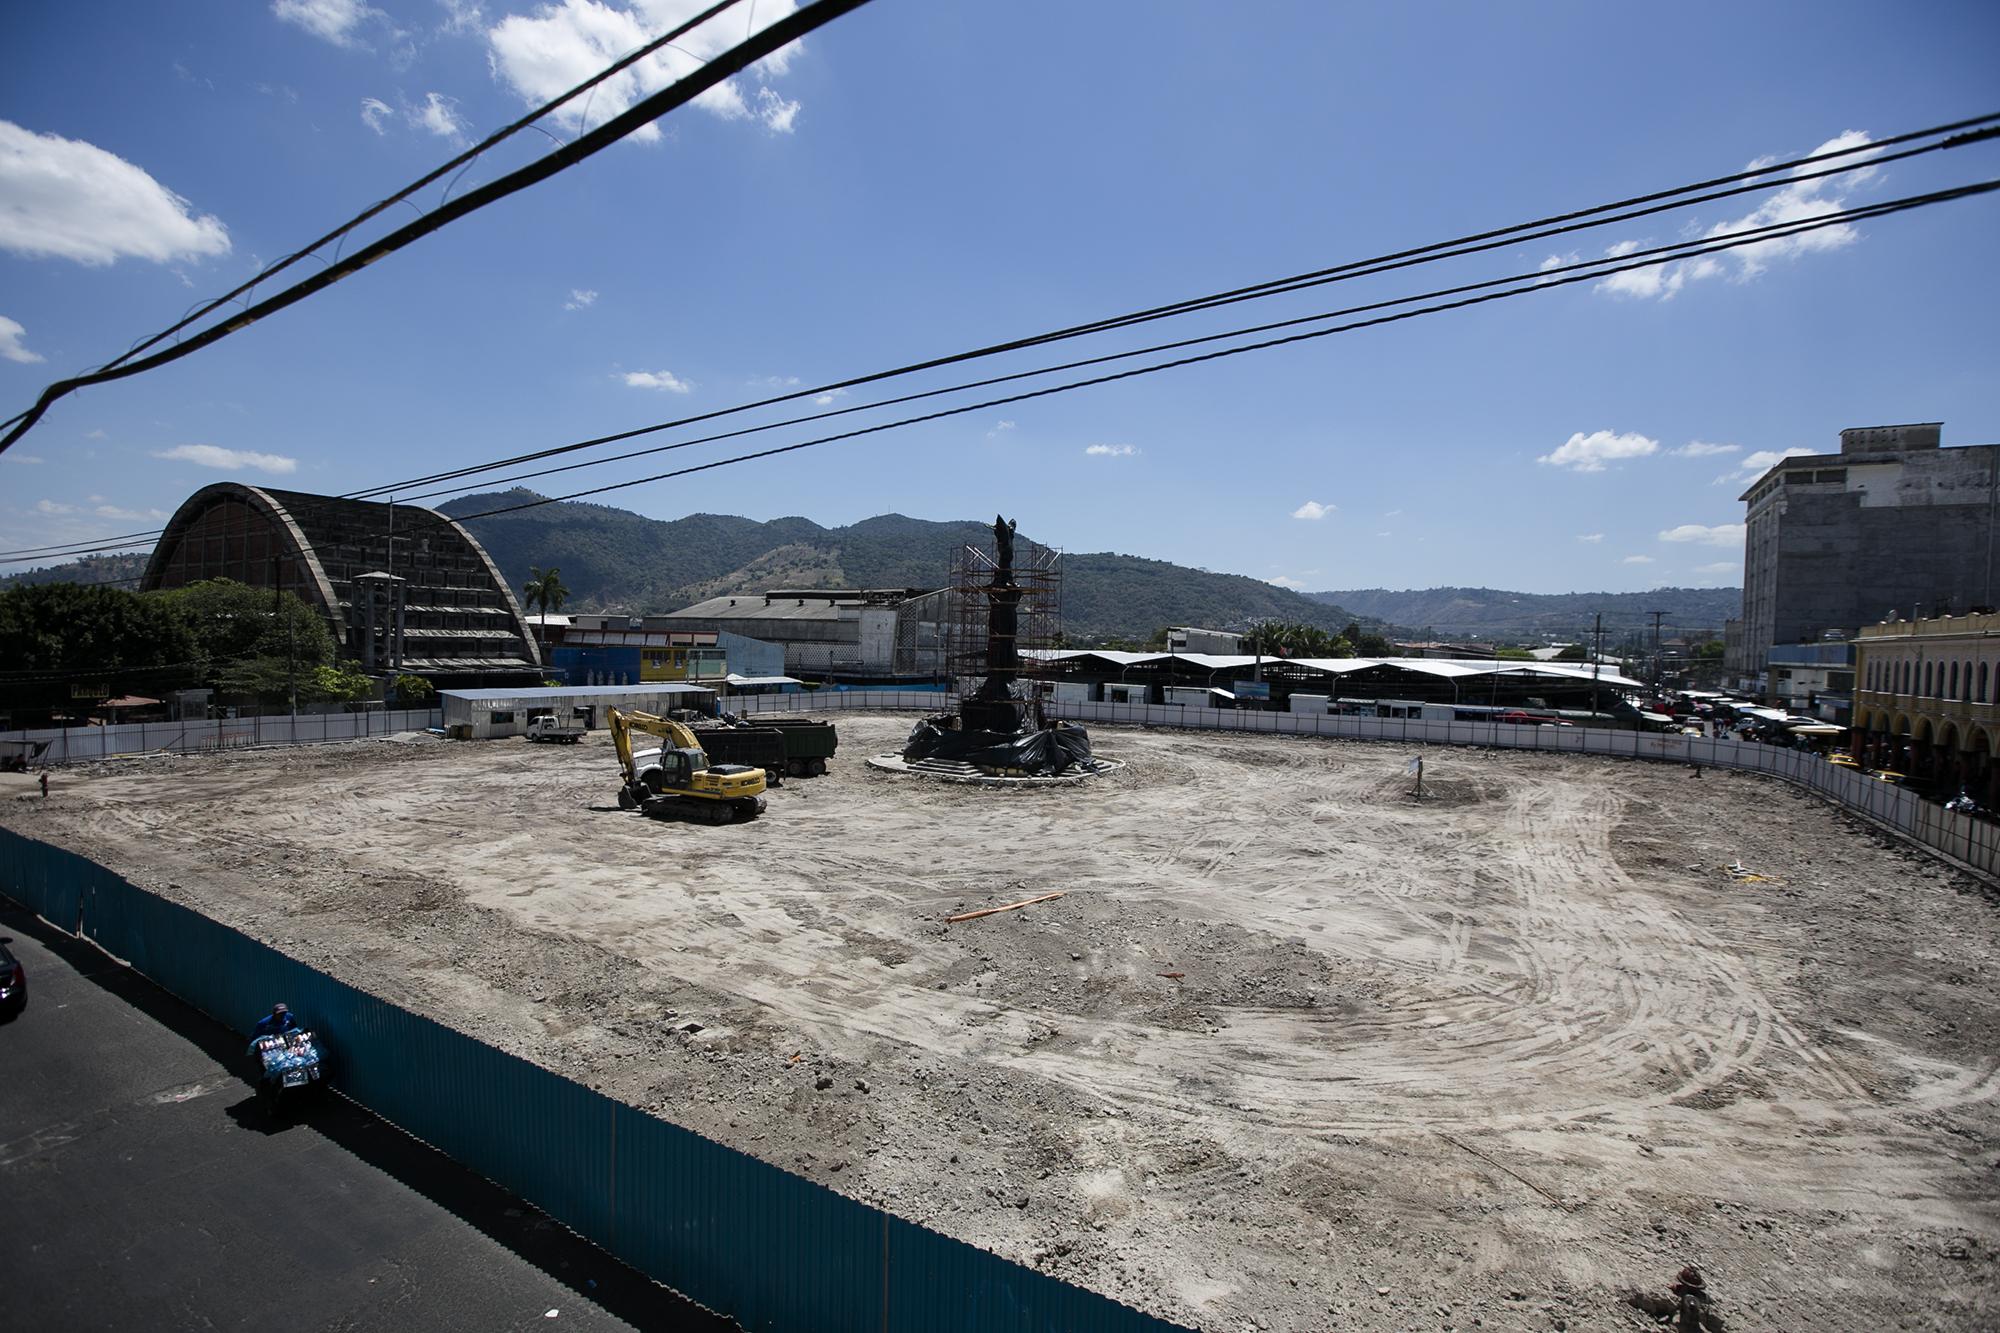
{"x":1342,"y":647}
{"x":56,"y":636}
{"x":544,"y":589}
{"x":1510,"y":653}
{"x":233,"y":622}
{"x":1574,"y":653}
{"x":412,"y":689}
{"x":340,"y":682}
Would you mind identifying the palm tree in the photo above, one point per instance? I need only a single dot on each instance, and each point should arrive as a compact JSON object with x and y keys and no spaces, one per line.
{"x":544,"y":589}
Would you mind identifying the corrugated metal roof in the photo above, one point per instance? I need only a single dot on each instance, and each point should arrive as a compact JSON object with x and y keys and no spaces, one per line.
{"x":551,"y":693}
{"x":752,"y":606}
{"x":1444,"y":668}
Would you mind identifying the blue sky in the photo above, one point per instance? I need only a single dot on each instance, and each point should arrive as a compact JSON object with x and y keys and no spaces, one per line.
{"x":922,"y":177}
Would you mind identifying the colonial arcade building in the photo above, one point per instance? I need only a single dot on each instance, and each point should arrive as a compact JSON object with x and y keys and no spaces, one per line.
{"x":1927,"y":701}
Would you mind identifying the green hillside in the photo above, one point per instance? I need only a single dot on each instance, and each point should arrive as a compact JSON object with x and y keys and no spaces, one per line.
{"x":614,"y":559}
{"x":1492,"y":613}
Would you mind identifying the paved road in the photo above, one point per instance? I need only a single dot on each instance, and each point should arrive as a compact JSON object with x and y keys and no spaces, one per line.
{"x":140,"y":1188}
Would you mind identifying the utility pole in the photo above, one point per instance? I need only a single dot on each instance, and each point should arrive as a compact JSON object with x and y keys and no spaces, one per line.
{"x":1657,"y":616}
{"x":1596,"y":663}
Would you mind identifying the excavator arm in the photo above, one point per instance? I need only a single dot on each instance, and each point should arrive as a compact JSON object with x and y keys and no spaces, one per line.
{"x":668,"y":730}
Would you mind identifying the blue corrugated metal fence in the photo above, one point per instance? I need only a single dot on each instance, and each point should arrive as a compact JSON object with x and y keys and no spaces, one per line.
{"x":771,"y":1249}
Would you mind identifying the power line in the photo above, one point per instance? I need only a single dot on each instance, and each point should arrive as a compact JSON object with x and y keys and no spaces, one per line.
{"x":1519,"y":233}
{"x":1594,"y":270}
{"x":79,"y":548}
{"x":1541,"y":284}
{"x":1953,"y":134}
{"x":753,"y":48}
{"x":1671,"y":252}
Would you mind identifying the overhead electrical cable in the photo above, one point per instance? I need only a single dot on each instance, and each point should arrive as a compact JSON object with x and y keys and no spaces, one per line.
{"x":1664,"y":254}
{"x":1519,"y":233}
{"x":1955,"y":134}
{"x":725,"y":65}
{"x":1542,"y":282}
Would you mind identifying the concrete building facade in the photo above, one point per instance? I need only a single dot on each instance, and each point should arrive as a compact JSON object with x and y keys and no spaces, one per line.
{"x":1927,"y":701}
{"x":403,"y":589}
{"x":832,"y":633}
{"x":1893,"y":522}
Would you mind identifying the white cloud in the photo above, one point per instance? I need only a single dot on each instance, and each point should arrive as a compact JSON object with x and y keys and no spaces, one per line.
{"x":657,"y":379}
{"x":52,"y":509}
{"x":1637,"y":560}
{"x":1111,"y":450}
{"x":777,"y":114}
{"x":1756,"y":465}
{"x":999,"y":428}
{"x":1589,"y":453}
{"x":1313,"y":510}
{"x":127,"y":515}
{"x":66,"y":199}
{"x":335,"y":21}
{"x":1720,"y":569}
{"x":1721,"y":534}
{"x":438,"y":115}
{"x":1800,"y":201}
{"x":1697,"y":449}
{"x":97,"y":435}
{"x":775,"y":382}
{"x":1590,"y":537}
{"x":11,"y":334}
{"x":1282,"y":581}
{"x":580,"y":299}
{"x":827,"y":399}
{"x":1393,"y":513}
{"x":373,"y":112}
{"x":544,"y":55}
{"x":462,"y":16}
{"x":231,"y":460}
{"x":1559,"y":261}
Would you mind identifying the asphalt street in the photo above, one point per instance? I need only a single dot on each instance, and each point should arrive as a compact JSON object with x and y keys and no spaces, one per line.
{"x":140,"y":1187}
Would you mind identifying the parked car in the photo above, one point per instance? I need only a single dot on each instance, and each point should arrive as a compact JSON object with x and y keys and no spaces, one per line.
{"x":13,"y":982}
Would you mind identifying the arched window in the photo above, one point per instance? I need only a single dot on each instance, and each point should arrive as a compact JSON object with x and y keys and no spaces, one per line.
{"x":1951,"y":690}
{"x":1926,"y":690}
{"x":1903,"y":679}
{"x":1967,"y":686}
{"x":1983,"y":696}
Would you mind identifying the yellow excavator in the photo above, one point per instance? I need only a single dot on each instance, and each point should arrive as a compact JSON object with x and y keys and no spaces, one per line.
{"x":677,"y":777}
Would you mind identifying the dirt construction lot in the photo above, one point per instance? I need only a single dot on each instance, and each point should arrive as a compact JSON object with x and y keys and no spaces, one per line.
{"x":1295,"y":1052}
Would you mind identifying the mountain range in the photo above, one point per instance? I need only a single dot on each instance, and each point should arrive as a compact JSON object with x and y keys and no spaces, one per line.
{"x":615,"y":559}
{"x":1494,"y":614}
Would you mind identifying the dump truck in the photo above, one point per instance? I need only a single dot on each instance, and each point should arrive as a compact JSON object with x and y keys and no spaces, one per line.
{"x":802,"y":749}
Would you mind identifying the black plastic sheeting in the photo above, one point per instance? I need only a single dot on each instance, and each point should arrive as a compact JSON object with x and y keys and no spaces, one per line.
{"x":1053,"y":749}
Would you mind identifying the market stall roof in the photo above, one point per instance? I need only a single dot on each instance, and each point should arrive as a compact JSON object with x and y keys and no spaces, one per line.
{"x":130,"y":701}
{"x":1440,"y":667}
{"x":735,"y":679}
{"x":551,"y":693}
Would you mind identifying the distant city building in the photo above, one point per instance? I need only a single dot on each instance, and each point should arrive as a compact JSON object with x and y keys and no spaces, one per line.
{"x":832,"y":633}
{"x":1836,"y":541}
{"x":1188,"y":639}
{"x":1927,"y":701}
{"x":1814,"y":679}
{"x":404,"y":589}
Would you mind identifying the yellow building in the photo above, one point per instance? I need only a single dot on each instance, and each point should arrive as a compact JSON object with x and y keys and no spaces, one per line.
{"x":1927,"y":701}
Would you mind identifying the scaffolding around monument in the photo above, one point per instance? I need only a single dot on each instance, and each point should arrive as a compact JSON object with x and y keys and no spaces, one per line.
{"x":1036,"y":587}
